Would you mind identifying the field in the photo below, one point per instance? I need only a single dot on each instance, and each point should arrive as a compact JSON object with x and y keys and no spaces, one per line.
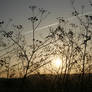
{"x":47,"y":83}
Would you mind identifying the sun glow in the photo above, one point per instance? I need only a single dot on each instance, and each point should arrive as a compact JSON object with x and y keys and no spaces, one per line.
{"x":57,"y":62}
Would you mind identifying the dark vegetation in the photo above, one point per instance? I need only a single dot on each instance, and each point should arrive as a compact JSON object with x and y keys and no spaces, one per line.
{"x":47,"y":83}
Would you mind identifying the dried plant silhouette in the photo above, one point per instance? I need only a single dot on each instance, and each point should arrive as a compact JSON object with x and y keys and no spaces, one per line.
{"x":33,"y":59}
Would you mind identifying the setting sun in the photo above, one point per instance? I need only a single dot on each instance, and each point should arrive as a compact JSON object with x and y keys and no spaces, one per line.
{"x":57,"y":62}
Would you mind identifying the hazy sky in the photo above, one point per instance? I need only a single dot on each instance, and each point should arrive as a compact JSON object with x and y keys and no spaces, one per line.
{"x":19,"y":11}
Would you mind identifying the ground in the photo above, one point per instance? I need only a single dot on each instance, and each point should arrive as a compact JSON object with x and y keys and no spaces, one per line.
{"x":47,"y":83}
